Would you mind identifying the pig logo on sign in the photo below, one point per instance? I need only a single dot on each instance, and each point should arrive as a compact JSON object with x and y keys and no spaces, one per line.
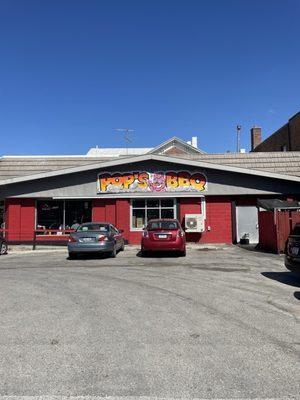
{"x":157,"y":182}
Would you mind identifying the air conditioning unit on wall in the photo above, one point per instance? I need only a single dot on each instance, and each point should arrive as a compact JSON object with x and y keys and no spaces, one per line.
{"x":194,"y":223}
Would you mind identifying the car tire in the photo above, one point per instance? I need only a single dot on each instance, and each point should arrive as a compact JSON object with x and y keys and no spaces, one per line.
{"x":72,"y":256}
{"x":113,"y":254}
{"x":183,"y":253}
{"x":3,"y":248}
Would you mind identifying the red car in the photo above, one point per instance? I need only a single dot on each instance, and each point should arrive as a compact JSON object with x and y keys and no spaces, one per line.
{"x":163,"y":235}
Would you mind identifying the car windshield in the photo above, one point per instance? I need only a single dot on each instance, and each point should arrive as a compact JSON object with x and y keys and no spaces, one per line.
{"x":168,"y":225}
{"x":93,"y":227}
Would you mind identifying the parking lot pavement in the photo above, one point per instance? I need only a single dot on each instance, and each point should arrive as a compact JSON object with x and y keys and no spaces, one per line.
{"x":220,"y":323}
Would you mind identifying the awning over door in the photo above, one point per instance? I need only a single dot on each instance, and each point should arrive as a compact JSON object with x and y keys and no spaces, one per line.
{"x":277,"y":204}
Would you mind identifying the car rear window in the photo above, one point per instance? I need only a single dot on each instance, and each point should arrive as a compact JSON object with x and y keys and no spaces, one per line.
{"x":168,"y":225}
{"x":93,"y":227}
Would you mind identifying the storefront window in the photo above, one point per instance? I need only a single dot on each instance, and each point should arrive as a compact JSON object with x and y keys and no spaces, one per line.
{"x":77,"y":212}
{"x":50,"y":215}
{"x":61,"y":214}
{"x":138,"y":218}
{"x":167,"y":213}
{"x":153,"y":203}
{"x":144,"y":210}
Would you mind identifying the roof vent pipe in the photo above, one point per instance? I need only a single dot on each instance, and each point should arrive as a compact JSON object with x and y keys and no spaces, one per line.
{"x":195,"y":142}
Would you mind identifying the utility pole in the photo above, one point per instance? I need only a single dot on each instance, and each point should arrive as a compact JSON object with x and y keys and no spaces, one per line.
{"x":126,"y":136}
{"x":238,"y":138}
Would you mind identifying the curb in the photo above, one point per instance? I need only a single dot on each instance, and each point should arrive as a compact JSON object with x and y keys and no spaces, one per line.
{"x":19,"y":249}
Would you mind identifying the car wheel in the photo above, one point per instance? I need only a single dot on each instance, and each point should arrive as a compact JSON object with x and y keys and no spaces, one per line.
{"x":183,"y":253}
{"x":72,"y":256}
{"x":3,"y":248}
{"x":113,"y":254}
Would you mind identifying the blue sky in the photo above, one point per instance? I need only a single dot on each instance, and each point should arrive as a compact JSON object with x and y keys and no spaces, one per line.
{"x":72,"y":71}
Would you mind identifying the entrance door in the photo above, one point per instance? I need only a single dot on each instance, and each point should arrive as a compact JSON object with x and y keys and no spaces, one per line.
{"x":247,"y":223}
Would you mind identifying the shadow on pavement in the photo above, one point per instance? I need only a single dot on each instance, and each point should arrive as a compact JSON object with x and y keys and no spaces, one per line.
{"x":159,"y":254}
{"x":255,"y":248}
{"x":288,"y":278}
{"x":297,"y":295}
{"x":90,"y":256}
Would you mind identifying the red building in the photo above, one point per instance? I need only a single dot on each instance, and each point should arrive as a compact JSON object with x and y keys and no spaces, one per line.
{"x":127,"y":187}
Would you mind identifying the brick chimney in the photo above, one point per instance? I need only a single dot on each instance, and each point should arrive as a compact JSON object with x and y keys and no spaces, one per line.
{"x":255,"y":137}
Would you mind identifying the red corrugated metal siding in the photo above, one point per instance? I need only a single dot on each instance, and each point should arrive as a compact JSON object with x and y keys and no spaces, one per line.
{"x":283,"y":229}
{"x":267,"y":231}
{"x":275,"y":227}
{"x":123,"y":217}
{"x":295,"y":218}
{"x":286,"y":221}
{"x":27,"y":219}
{"x":98,"y":210}
{"x":12,"y":219}
{"x":20,"y":219}
{"x":104,"y":210}
{"x":110,"y":211}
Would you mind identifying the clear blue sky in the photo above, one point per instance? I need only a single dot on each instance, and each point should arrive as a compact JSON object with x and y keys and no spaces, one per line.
{"x":73,"y":70}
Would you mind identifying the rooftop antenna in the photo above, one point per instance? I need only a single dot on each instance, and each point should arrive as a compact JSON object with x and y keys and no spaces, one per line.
{"x":238,"y":138}
{"x":126,"y":135}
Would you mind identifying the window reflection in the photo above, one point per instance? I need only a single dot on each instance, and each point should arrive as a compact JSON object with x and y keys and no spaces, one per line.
{"x":59,"y":214}
{"x":143,"y":210}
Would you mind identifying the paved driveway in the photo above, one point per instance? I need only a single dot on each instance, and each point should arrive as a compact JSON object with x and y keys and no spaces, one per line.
{"x":218,"y":323}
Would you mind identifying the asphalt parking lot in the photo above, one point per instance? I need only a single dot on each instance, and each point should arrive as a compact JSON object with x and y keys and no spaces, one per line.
{"x":220,"y":323}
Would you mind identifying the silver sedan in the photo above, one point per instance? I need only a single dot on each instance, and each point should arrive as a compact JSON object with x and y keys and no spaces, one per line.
{"x":96,"y":237}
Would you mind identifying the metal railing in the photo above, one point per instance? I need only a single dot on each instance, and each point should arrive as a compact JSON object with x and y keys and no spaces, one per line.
{"x":44,"y":235}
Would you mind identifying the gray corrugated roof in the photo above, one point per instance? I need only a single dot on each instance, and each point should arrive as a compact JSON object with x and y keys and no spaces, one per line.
{"x":287,"y":163}
{"x":279,"y":162}
{"x":11,"y":167}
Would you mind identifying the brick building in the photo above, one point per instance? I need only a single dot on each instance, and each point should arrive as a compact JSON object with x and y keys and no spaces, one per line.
{"x":286,"y":138}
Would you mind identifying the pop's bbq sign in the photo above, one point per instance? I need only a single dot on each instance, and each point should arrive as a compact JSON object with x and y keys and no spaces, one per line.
{"x":159,"y":182}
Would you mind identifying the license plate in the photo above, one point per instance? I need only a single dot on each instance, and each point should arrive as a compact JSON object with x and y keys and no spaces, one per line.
{"x":295,"y":251}
{"x":162,"y":236}
{"x":88,"y":239}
